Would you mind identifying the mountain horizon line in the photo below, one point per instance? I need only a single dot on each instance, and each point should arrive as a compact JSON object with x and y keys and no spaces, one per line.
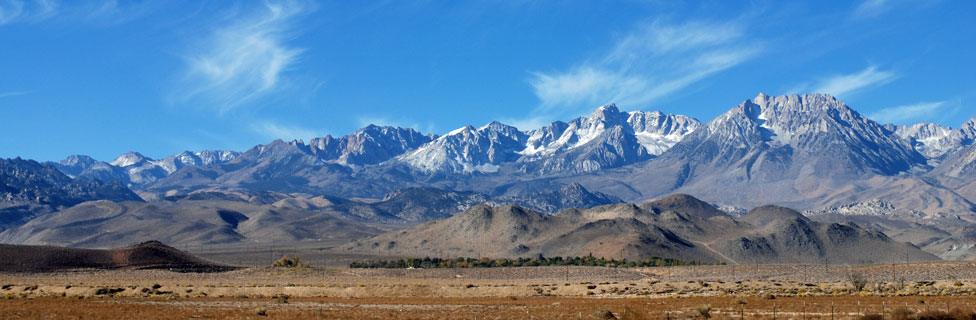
{"x":611,"y":105}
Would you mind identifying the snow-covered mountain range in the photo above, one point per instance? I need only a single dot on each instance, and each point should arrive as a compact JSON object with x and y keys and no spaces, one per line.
{"x":805,"y":151}
{"x":607,"y":138}
{"x":137,"y":170}
{"x":935,"y":141}
{"x":810,"y":152}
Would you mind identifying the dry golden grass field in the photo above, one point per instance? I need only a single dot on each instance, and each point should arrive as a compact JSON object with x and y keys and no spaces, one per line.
{"x":731,"y":292}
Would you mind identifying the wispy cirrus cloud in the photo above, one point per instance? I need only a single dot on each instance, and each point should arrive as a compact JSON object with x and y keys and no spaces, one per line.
{"x":845,"y":84}
{"x":103,"y":13}
{"x":27,"y":11}
{"x":840,"y":85}
{"x":242,"y":60}
{"x":13,"y":93}
{"x":112,"y":12}
{"x":870,"y":8}
{"x":654,"y":60}
{"x":275,"y":130}
{"x":908,"y":113}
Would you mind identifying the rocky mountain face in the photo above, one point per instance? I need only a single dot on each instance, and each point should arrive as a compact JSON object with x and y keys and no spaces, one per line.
{"x":679,"y":226}
{"x":931,"y":140}
{"x":84,"y":167}
{"x":28,"y":181}
{"x":29,"y":188}
{"x":468,"y":150}
{"x":608,"y":138}
{"x":405,"y":158}
{"x":425,"y":204}
{"x":763,"y":135}
{"x":937,"y":142}
{"x":807,"y":151}
{"x":370,"y":145}
{"x":572,"y":195}
{"x":811,"y":152}
{"x":137,"y":170}
{"x":874,"y":207}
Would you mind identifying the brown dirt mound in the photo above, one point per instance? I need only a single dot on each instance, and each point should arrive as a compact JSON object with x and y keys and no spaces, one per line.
{"x":146,"y":255}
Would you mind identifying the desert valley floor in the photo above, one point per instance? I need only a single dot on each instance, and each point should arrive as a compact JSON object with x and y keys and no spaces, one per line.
{"x":728,"y":292}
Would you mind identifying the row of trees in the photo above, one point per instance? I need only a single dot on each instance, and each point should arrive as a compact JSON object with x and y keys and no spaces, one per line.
{"x":539,"y":261}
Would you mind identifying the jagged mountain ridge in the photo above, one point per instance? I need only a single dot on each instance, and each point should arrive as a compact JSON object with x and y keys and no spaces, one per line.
{"x":468,"y":149}
{"x":608,"y":138}
{"x":137,"y":170}
{"x":369,"y":145}
{"x":28,"y":181}
{"x":935,"y":141}
{"x":29,"y":189}
{"x":808,"y":125}
{"x":804,"y":151}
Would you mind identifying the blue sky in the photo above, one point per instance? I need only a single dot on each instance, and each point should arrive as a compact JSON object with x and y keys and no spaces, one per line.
{"x":103,"y":78}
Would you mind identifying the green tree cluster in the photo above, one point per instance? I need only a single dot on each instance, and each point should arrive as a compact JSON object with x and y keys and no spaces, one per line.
{"x":539,"y":261}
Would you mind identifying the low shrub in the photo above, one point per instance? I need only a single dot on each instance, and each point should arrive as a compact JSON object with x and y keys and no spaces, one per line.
{"x":281,"y":298}
{"x":105,"y":291}
{"x":705,"y":311}
{"x":285,"y":262}
{"x":605,"y":314}
{"x":635,"y":314}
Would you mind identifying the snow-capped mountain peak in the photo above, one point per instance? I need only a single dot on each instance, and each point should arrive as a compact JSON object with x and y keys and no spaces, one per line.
{"x":467,"y":150}
{"x":931,"y":140}
{"x":657,"y":131}
{"x":607,"y":113}
{"x":370,"y":145}
{"x":968,"y":131}
{"x":811,"y":125}
{"x":468,"y":129}
{"x":129,"y":159}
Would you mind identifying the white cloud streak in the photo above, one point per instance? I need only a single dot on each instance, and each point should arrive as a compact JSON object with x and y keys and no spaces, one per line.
{"x":870,"y":8}
{"x":13,"y":93}
{"x":846,"y":84}
{"x":244,"y":60}
{"x":111,"y":12}
{"x":653,"y":61}
{"x":273,"y":130}
{"x":26,"y":11}
{"x":908,"y":113}
{"x":103,"y":13}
